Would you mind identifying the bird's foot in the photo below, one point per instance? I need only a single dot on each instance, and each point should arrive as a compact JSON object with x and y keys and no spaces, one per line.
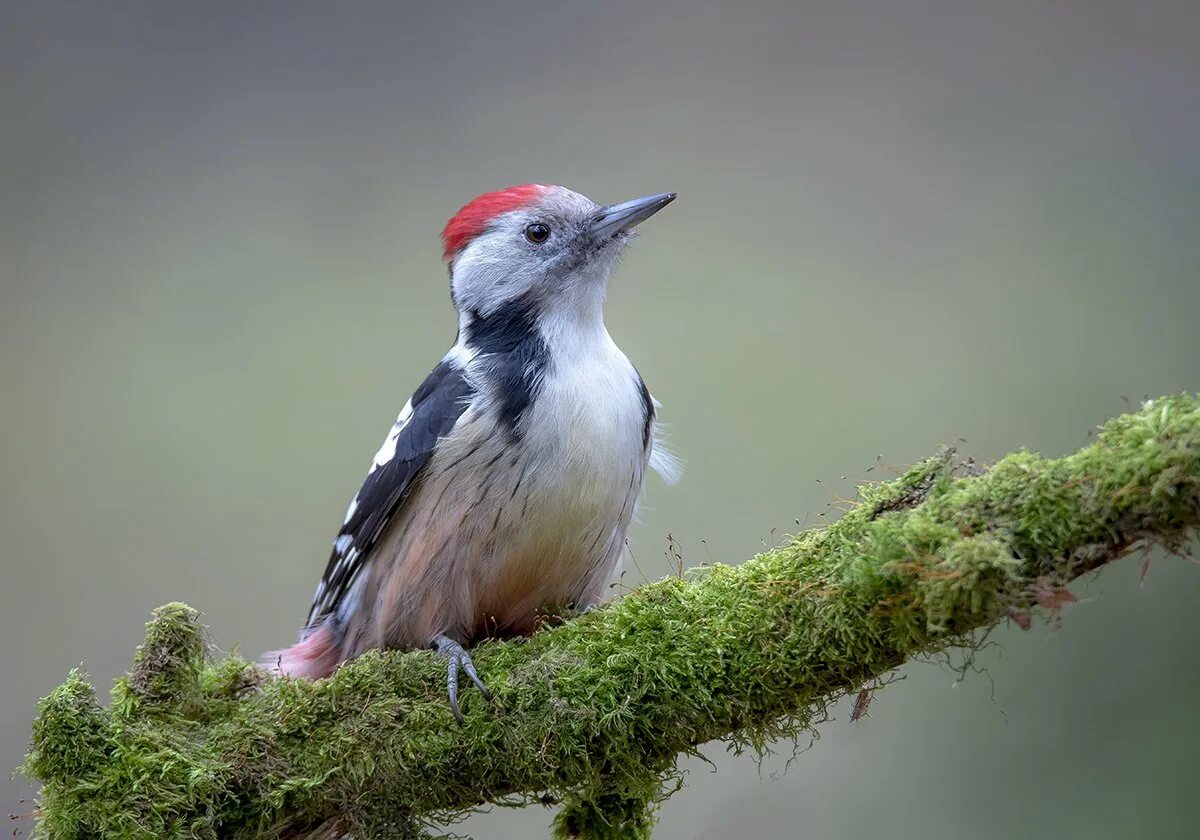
{"x":457,"y":657}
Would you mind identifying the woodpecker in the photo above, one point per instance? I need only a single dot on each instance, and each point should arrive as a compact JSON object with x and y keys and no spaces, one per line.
{"x":505,"y":487}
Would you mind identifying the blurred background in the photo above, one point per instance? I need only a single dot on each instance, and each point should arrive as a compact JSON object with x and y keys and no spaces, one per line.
{"x":899,"y":224}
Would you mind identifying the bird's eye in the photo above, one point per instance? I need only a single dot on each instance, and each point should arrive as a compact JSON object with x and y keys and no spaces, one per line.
{"x":537,"y":233}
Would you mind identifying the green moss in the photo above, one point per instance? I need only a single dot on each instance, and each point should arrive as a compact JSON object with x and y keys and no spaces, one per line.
{"x":167,"y":666}
{"x":104,"y":775}
{"x":68,"y":733}
{"x":595,"y":712}
{"x":613,"y":816}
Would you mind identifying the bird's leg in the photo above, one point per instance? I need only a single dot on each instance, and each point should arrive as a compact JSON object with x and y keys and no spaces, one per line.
{"x":457,"y":657}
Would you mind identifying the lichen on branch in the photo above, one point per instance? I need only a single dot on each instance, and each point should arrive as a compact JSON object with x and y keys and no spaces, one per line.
{"x":595,"y":711}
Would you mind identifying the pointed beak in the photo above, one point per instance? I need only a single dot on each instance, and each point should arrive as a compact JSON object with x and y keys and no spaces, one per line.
{"x":620,"y":218}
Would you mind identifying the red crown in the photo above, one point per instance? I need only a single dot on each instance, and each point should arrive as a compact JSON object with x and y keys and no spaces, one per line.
{"x":475,"y":216}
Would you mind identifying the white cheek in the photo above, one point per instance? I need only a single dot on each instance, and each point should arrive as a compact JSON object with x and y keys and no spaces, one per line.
{"x":490,"y":271}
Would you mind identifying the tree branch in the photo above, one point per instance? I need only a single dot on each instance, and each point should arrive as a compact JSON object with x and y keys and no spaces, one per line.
{"x":595,"y":711}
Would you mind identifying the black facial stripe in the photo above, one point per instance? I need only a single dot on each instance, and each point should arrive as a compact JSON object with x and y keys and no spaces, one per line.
{"x":516,"y":353}
{"x":505,"y":329}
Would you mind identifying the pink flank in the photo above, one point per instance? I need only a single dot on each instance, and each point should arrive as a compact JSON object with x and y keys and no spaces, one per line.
{"x":315,"y":657}
{"x":475,"y":216}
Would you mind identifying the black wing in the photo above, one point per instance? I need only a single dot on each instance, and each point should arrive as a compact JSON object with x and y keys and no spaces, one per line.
{"x":431,"y":413}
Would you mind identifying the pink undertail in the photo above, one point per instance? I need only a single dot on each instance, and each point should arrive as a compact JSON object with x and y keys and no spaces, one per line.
{"x":315,"y":657}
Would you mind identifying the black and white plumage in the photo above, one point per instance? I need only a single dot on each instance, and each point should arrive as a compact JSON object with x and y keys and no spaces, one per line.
{"x":507,"y":483}
{"x":428,"y":416}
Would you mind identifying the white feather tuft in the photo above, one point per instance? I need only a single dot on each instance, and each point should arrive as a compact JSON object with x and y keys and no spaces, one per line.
{"x":663,"y":461}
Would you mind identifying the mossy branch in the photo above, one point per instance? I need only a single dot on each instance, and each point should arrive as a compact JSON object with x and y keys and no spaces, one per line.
{"x":594,"y":712}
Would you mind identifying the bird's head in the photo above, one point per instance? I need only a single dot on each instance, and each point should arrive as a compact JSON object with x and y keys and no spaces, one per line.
{"x":538,"y":246}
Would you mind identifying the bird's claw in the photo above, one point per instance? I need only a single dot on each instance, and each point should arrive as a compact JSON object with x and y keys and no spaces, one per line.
{"x":457,"y":657}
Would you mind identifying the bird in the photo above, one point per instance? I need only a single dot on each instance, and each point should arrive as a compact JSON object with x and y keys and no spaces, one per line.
{"x":504,"y":490}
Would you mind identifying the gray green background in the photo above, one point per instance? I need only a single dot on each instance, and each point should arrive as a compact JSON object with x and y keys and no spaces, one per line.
{"x":899,"y":224}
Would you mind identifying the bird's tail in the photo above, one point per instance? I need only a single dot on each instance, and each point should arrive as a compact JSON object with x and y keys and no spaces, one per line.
{"x":316,"y":655}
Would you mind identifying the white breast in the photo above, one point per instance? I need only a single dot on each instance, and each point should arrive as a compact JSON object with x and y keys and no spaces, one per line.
{"x":583,"y":443}
{"x":587,"y":422}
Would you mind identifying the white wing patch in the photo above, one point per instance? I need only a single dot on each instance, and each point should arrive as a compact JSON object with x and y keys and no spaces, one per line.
{"x":388,"y":450}
{"x":460,"y":354}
